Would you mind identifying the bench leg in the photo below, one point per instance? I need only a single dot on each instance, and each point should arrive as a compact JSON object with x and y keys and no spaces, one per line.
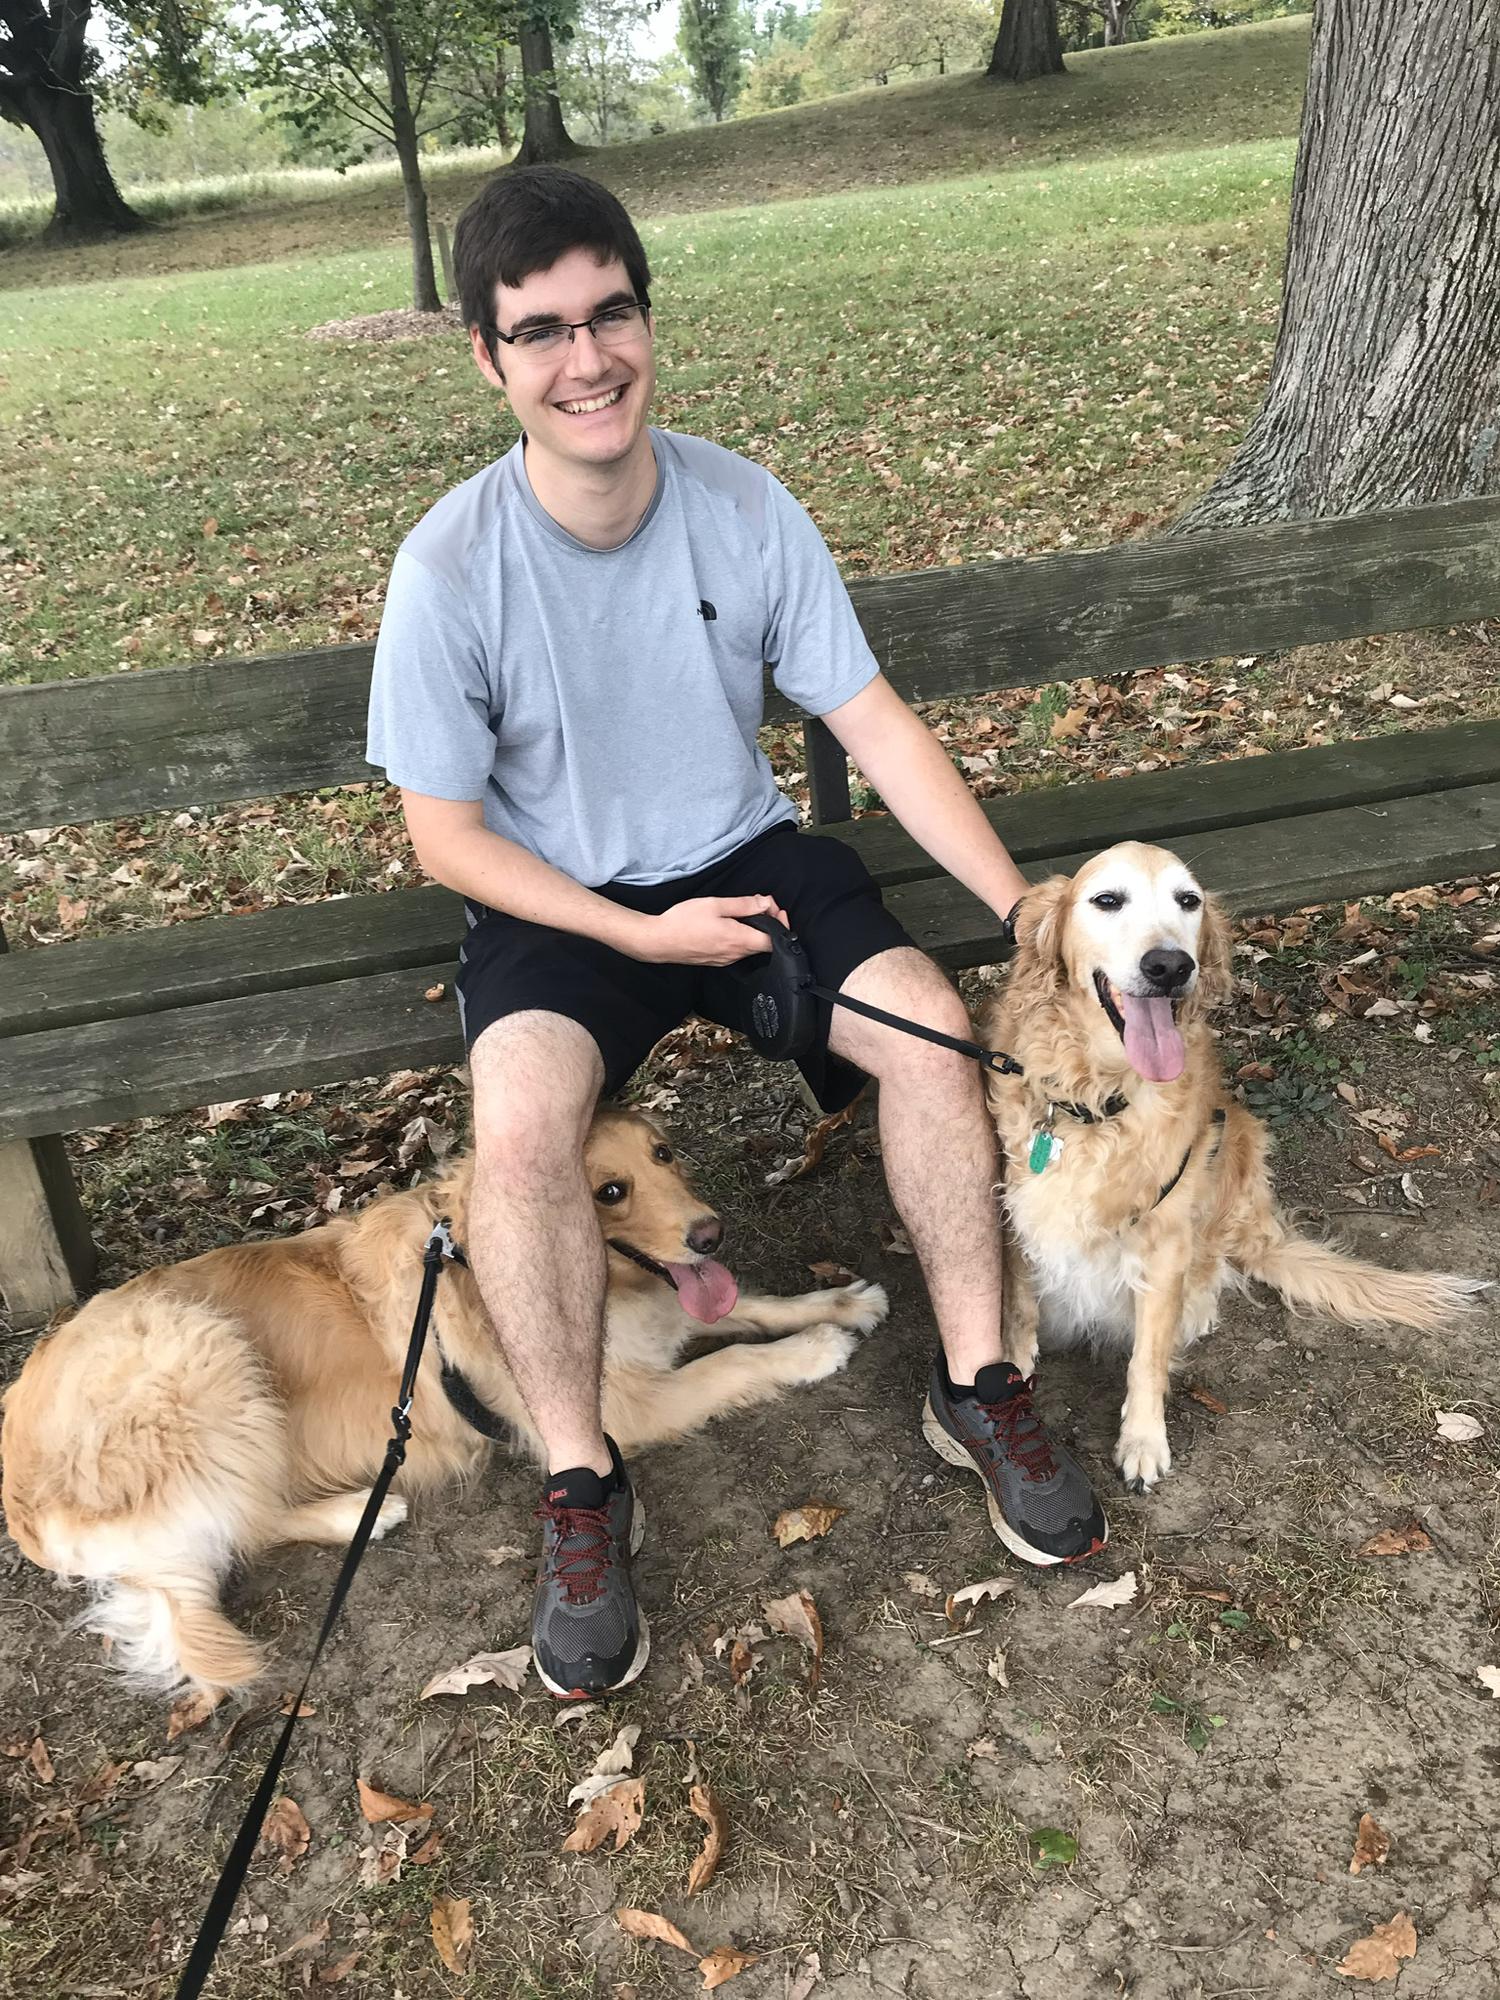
{"x":47,"y":1256}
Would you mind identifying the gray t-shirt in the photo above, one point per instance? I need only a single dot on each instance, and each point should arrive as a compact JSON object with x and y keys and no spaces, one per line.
{"x":603,"y":703}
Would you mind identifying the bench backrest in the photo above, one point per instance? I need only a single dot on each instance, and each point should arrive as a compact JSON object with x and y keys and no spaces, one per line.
{"x":172,"y":737}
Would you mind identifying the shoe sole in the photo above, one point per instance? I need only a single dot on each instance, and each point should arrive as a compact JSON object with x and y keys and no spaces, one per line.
{"x":953,"y":1453}
{"x":643,"y":1644}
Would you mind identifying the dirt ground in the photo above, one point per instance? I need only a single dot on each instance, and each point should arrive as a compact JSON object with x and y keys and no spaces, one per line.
{"x":907,"y":1827}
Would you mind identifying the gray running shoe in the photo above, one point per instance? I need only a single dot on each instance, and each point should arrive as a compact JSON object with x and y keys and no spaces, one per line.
{"x":586,"y":1633}
{"x":1041,"y":1503}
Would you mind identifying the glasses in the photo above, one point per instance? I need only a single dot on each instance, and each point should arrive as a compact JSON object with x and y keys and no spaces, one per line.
{"x":614,"y":327}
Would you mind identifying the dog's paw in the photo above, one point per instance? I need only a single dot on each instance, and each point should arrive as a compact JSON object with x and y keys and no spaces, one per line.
{"x":392,"y":1513}
{"x":819,"y":1352}
{"x":859,"y":1306}
{"x":1143,"y":1456}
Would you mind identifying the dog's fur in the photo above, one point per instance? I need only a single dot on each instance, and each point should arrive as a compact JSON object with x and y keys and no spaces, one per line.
{"x":206,"y":1411}
{"x":1093,"y":1250}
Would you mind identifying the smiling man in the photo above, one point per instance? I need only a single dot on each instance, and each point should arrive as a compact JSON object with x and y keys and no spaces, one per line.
{"x":567,"y":689}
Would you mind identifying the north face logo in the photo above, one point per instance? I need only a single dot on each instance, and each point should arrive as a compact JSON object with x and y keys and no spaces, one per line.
{"x":706,"y":611}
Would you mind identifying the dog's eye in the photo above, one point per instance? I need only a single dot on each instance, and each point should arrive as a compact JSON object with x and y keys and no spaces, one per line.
{"x":1189,"y":899}
{"x":662,"y":1153}
{"x":612,"y":1193}
{"x":1108,"y":899}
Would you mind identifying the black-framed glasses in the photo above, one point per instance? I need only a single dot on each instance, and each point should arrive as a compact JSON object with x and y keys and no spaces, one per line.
{"x":616,"y":326}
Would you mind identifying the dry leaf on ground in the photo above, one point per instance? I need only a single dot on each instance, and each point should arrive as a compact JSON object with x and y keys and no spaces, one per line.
{"x":285,"y":1833}
{"x":191,"y":1711}
{"x":1457,"y":1426}
{"x":962,"y":1605}
{"x":650,"y":1924}
{"x":507,"y":1670}
{"x":723,"y":1964}
{"x":616,"y":1811}
{"x":1208,"y":1399}
{"x":507,"y":1552}
{"x":740,"y":1646}
{"x":705,"y":1865}
{"x":1489,"y":1677}
{"x":805,"y":1523}
{"x":155,"y":1770}
{"x":608,"y":1767}
{"x":919,"y":1583}
{"x":39,"y":1760}
{"x":1371,"y":1845}
{"x":1379,"y":1955}
{"x":453,"y":1931}
{"x":1408,"y":1541}
{"x":1108,"y":1596}
{"x":797,"y":1618}
{"x":806,"y":1977}
{"x":813,"y":1146}
{"x":380,"y":1807}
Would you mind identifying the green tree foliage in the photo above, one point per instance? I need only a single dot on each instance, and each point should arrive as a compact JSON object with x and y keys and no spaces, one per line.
{"x":873,"y":40}
{"x":712,"y":37}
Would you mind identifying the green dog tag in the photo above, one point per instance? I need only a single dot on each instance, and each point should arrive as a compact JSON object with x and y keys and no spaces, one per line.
{"x":1042,"y":1145}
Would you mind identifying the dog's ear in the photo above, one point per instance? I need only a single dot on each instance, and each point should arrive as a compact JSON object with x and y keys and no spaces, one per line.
{"x":1215,"y":957}
{"x":1040,"y":923}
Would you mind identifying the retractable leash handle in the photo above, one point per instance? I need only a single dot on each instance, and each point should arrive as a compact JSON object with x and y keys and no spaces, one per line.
{"x":783,"y":1005}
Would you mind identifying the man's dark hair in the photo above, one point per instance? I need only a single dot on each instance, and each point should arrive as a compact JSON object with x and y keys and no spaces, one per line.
{"x":523,"y":219}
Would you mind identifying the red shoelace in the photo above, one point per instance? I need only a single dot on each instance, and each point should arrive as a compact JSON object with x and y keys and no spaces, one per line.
{"x":1023,"y":1433}
{"x":579,"y":1569}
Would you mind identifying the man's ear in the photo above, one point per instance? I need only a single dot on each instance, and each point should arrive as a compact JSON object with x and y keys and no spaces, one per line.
{"x":483,"y":360}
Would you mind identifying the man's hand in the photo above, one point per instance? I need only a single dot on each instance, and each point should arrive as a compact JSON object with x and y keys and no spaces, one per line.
{"x":706,"y":931}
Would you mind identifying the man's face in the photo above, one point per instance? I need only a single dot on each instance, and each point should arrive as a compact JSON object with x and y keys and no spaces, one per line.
{"x":584,"y":405}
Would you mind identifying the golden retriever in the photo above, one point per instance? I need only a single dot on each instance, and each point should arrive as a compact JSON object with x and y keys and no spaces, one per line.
{"x":208,"y":1410}
{"x":1135,"y":1186}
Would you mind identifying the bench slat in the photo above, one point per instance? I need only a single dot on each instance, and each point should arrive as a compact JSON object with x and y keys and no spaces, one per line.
{"x":203,"y":735}
{"x":65,"y":1079}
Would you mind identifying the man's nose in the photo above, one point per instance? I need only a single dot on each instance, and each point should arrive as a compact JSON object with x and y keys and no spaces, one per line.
{"x":1166,"y":969}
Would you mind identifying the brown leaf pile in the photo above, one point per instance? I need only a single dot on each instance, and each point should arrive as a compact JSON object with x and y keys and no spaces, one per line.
{"x":718,"y":1966}
{"x":615,"y":1813}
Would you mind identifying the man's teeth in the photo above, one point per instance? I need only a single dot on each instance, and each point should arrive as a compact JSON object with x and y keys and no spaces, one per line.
{"x":593,"y":403}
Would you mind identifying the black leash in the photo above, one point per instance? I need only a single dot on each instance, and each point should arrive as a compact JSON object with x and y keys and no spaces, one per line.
{"x":440,"y":1249}
{"x":991,"y":1059}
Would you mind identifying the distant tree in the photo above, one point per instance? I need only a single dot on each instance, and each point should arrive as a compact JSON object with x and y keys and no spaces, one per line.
{"x":482,"y":80}
{"x":1385,"y":383}
{"x":544,"y":135}
{"x":372,"y":62}
{"x":782,"y":76}
{"x":51,"y":75}
{"x":1105,"y":24}
{"x":1028,"y":44}
{"x":602,"y":60}
{"x":711,"y":35}
{"x":874,"y":39}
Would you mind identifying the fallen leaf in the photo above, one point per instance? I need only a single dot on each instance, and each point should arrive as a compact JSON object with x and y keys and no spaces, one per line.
{"x":611,"y":1764}
{"x":983,"y":1749}
{"x":156,"y":1770}
{"x":285,"y":1833}
{"x":1107,"y":1596}
{"x":805,"y":1523}
{"x":797,"y":1618}
{"x":380,"y":1807}
{"x":1489,"y":1677}
{"x":40,"y":1761}
{"x":211,"y":526}
{"x":303,"y":1707}
{"x":1066,"y":726}
{"x":830,"y":1273}
{"x":1408,"y":1541}
{"x":453,"y":1931}
{"x":973,"y":1595}
{"x":71,"y":912}
{"x":1371,"y":1845}
{"x":308,"y":1942}
{"x":1208,"y":1399}
{"x":1405,"y":1154}
{"x":507,"y":1670}
{"x":435,"y":992}
{"x":1051,"y":1847}
{"x":995,"y":1668}
{"x":919,"y":1584}
{"x":806,"y":1977}
{"x":723,"y":1964}
{"x":615,"y":1811}
{"x":430,"y":1850}
{"x":191,"y":1711}
{"x":894,"y":1239}
{"x":1378,"y":1956}
{"x":743,"y":1660}
{"x":1458,"y":1426}
{"x":648,"y":1924}
{"x":338,"y":1969}
{"x":813,"y":1146}
{"x":705,"y":1865}
{"x":102,"y":1784}
{"x":506,"y":1553}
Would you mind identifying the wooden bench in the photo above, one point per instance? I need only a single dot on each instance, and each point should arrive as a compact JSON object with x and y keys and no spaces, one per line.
{"x":100,"y":1030}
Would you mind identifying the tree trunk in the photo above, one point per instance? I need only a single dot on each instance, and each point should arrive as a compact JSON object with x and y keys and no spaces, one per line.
{"x":1028,"y":44}
{"x":424,"y":291}
{"x":1385,"y":384}
{"x":545,"y":137}
{"x":45,"y":90}
{"x":502,"y":121}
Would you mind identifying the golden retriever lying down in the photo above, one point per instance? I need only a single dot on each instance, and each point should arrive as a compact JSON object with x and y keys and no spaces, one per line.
{"x":1135,"y":1186}
{"x":206,"y":1411}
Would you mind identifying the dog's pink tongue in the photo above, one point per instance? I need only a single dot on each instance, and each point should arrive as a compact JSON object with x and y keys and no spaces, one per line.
{"x":1153,"y":1045}
{"x":707,"y":1291}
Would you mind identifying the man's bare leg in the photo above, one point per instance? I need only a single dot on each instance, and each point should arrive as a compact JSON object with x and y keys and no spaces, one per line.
{"x":534,"y":1237}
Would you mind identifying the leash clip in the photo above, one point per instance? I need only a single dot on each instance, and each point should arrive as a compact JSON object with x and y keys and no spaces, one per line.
{"x":441,"y":1248}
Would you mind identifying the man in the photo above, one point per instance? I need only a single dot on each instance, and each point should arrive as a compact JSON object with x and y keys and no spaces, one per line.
{"x":567,"y":688}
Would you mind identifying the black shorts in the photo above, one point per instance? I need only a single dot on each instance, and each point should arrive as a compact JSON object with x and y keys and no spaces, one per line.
{"x":509,"y":966}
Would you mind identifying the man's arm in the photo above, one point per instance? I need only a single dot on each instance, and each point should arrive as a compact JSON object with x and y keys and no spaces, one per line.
{"x":456,"y":848}
{"x":910,"y":769}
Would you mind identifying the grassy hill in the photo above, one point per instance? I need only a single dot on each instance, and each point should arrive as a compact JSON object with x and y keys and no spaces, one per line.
{"x":1219,"y":89}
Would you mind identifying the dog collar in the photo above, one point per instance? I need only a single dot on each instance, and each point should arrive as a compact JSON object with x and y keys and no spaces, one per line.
{"x":1110,"y":1108}
{"x":646,"y":1263}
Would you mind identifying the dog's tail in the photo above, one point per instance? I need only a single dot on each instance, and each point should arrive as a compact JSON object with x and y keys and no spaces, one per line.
{"x":1321,"y":1279}
{"x":168,"y":1627}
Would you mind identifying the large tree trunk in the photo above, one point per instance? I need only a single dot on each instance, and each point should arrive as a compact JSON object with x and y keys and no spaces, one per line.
{"x":43,"y":86}
{"x":424,"y":291}
{"x":544,"y":137}
{"x":1385,"y":384}
{"x":1028,"y":44}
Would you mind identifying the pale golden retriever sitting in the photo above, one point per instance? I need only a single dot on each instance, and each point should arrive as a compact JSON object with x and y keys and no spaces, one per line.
{"x":206,"y":1411}
{"x":1135,"y":1186}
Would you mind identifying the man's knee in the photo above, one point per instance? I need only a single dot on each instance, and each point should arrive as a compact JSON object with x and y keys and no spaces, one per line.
{"x":536,"y":1079}
{"x":903,"y":981}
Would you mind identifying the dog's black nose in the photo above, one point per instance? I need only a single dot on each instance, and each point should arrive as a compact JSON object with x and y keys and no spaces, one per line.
{"x":705,"y":1235}
{"x":1168,"y":971}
